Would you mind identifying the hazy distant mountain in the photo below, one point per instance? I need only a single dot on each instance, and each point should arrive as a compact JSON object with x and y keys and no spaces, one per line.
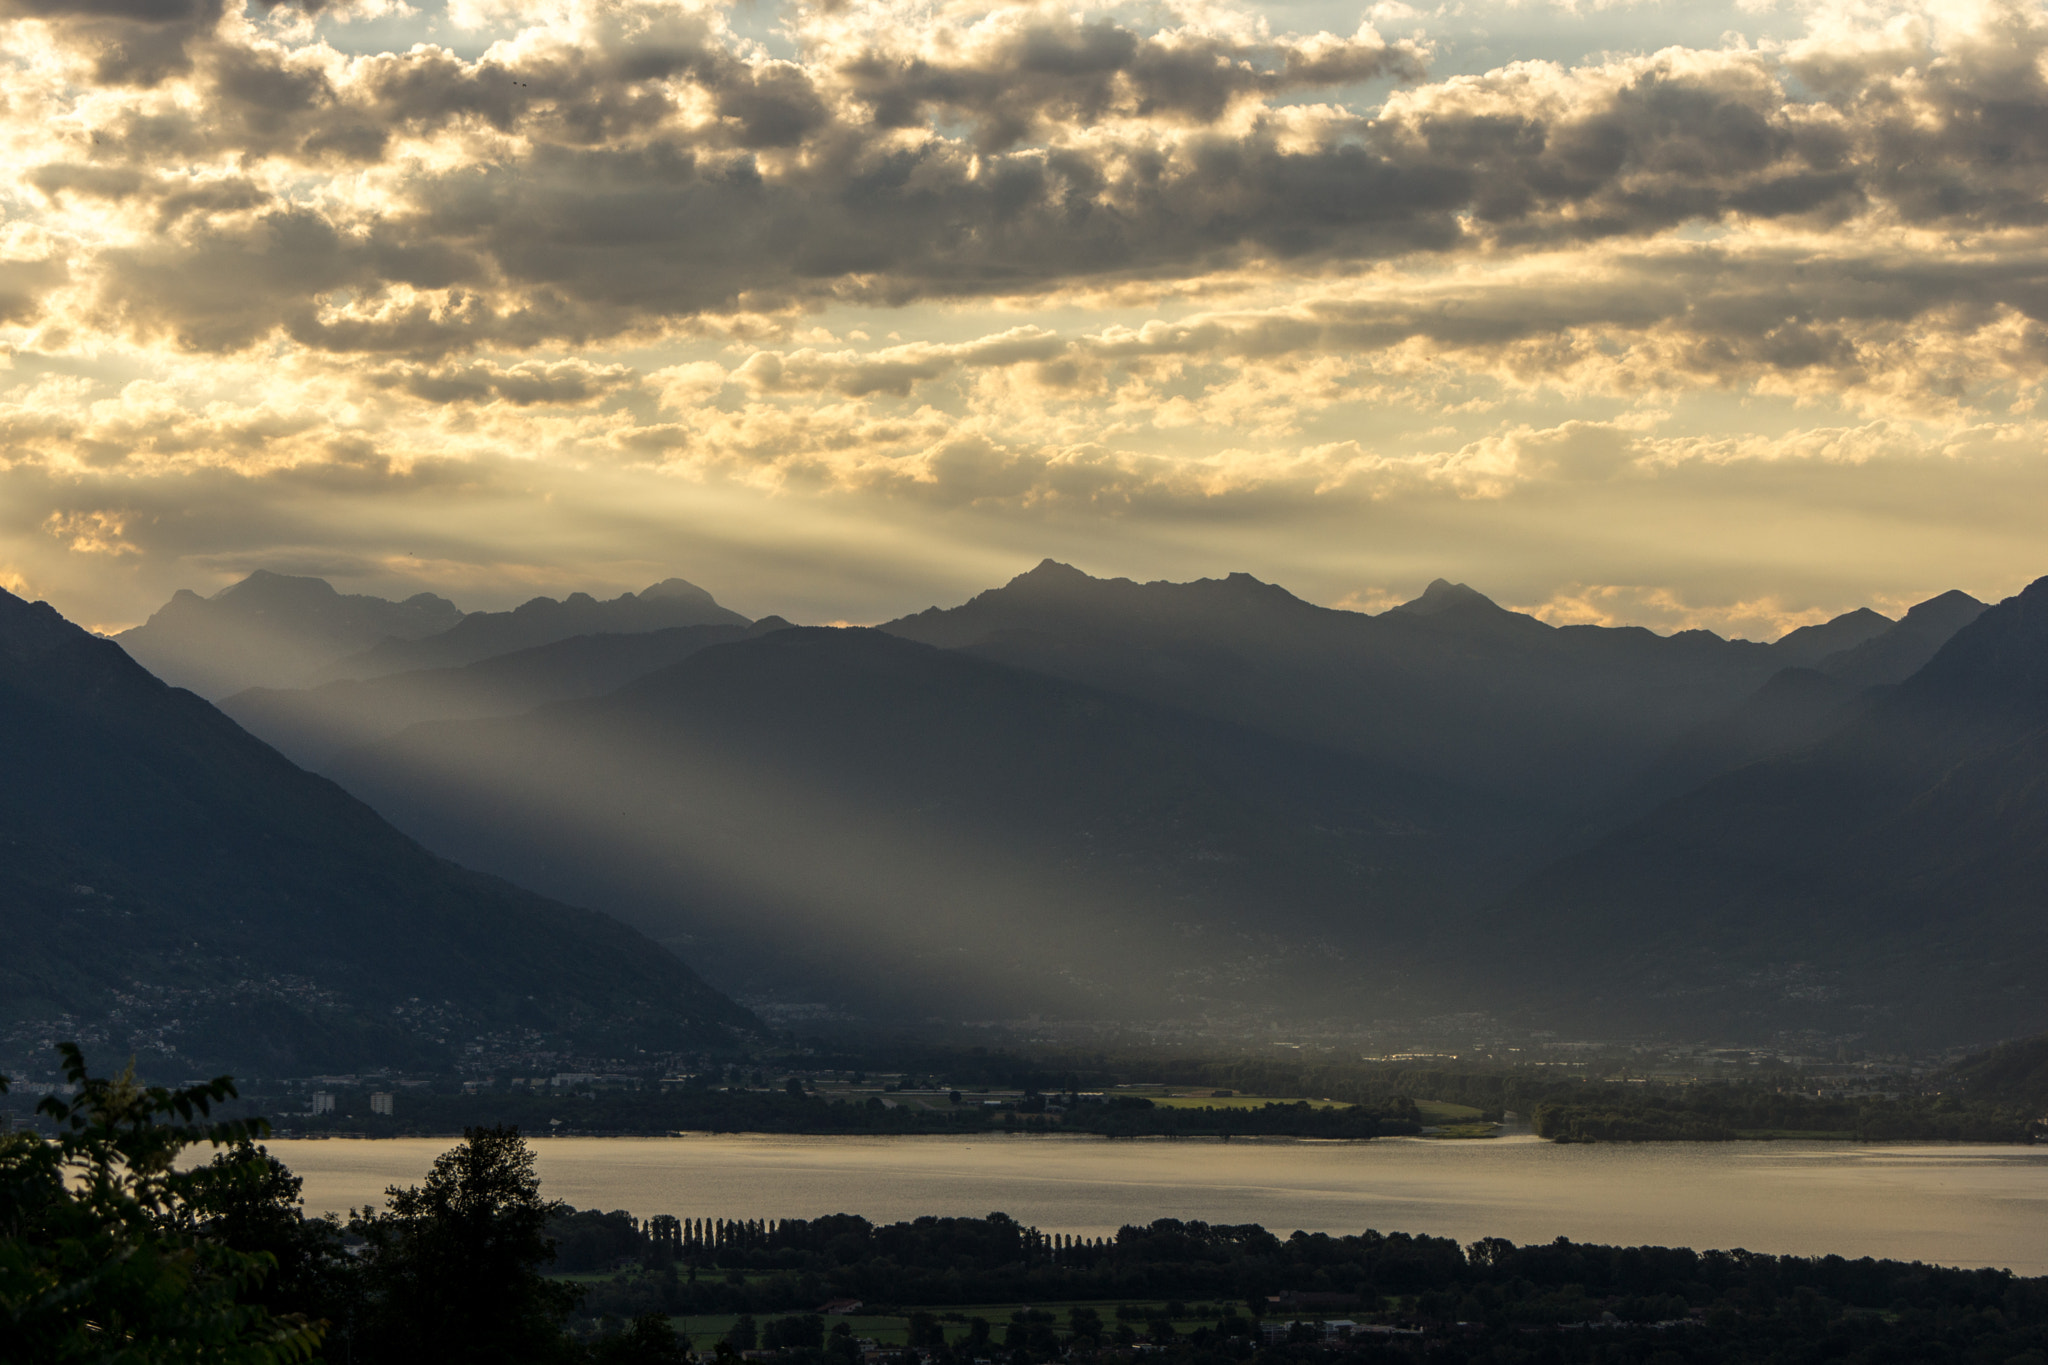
{"x":271,"y":630}
{"x":1890,"y":880}
{"x":847,"y":817}
{"x":1898,"y":653}
{"x":1449,"y":686}
{"x":310,"y":725}
{"x":484,"y":634}
{"x":170,"y":885}
{"x":1802,"y":705}
{"x":1796,"y":708}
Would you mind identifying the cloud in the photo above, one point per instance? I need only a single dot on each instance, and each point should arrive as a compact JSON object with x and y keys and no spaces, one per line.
{"x":1125,"y":268}
{"x":625,"y":168}
{"x":1667,"y":609}
{"x":525,"y":384}
{"x":126,"y":42}
{"x":91,"y":533}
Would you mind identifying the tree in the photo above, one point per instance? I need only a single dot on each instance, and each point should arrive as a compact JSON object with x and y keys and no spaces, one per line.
{"x":250,"y":1201}
{"x":107,"y":1250}
{"x":453,"y":1271}
{"x":651,"y":1340}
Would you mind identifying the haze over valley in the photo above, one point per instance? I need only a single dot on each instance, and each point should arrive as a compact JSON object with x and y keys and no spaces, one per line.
{"x":1090,"y":802}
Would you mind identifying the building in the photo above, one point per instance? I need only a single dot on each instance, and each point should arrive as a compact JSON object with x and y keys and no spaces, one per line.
{"x":380,"y":1103}
{"x":1295,"y":1301}
{"x":1338,"y":1329}
{"x":323,"y":1102}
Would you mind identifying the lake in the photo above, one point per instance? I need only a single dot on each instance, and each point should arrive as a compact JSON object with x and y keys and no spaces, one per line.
{"x":1953,"y":1205}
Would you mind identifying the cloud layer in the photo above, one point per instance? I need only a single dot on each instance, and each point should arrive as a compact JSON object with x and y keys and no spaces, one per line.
{"x":1032,"y":260}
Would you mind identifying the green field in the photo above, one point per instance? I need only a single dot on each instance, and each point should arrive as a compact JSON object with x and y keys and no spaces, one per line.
{"x":1442,"y":1111}
{"x":1465,"y":1130}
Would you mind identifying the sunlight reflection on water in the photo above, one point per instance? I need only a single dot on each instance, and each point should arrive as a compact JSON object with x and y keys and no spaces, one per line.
{"x":1955,"y":1205}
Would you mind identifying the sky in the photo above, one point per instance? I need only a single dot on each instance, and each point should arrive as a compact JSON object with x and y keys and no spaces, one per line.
{"x":1680,"y":315}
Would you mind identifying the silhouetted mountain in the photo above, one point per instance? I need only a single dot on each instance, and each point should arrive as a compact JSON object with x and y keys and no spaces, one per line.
{"x":1442,"y":596}
{"x":1890,"y":880}
{"x":543,"y":620}
{"x":1900,"y":652}
{"x":271,"y":630}
{"x":171,"y":885}
{"x":845,"y":817}
{"x":311,"y":725}
{"x":1450,"y":686}
{"x":1807,"y":646}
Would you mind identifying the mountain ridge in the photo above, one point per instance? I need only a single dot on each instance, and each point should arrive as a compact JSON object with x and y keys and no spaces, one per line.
{"x":538,"y":621}
{"x":1890,"y":877}
{"x":1450,"y":685}
{"x":272,"y":629}
{"x":170,"y":884}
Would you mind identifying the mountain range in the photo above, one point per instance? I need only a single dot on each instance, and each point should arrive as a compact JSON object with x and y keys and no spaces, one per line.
{"x":272,"y":630}
{"x":539,"y":621}
{"x":845,"y":817}
{"x":1102,"y":798}
{"x":1547,"y":724}
{"x":277,"y":630}
{"x":1892,"y":874}
{"x":174,"y":888}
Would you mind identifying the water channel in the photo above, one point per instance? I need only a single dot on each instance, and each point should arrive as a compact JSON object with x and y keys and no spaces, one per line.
{"x":1952,"y":1205}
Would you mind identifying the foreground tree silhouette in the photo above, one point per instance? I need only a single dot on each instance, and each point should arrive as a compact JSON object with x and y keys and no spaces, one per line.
{"x":453,"y":1271}
{"x":105,"y":1249}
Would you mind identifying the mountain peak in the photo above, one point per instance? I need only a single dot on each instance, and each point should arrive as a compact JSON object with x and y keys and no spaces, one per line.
{"x":1443,"y":595}
{"x":1049,"y":571}
{"x":271,"y":629}
{"x":1901,"y":650}
{"x":1953,"y":601}
{"x":1808,"y":645}
{"x":1998,"y":662}
{"x":266,"y":583}
{"x":540,"y":621}
{"x":33,"y":631}
{"x":673,"y":589}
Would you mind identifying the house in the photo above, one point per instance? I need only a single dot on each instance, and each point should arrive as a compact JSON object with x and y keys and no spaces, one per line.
{"x":839,"y":1307}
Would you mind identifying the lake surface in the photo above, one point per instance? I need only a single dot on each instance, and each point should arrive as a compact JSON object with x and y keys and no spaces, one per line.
{"x":1953,"y":1205}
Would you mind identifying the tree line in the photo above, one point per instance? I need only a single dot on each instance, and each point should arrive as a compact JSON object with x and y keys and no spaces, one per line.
{"x":702,"y":1109}
{"x":116,"y":1246}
